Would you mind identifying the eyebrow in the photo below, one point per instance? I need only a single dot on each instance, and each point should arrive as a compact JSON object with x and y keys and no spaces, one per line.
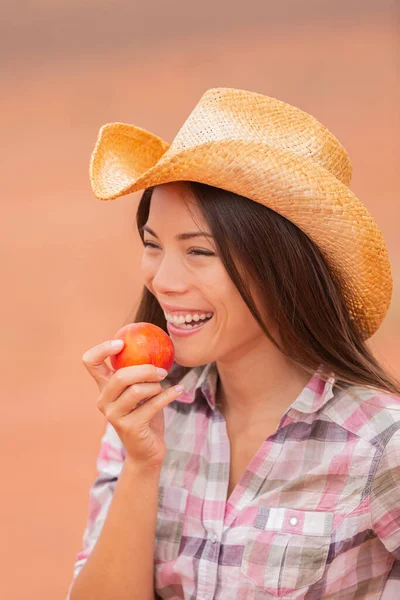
{"x":181,"y":236}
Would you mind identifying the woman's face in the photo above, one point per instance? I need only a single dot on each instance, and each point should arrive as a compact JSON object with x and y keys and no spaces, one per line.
{"x":177,"y":274}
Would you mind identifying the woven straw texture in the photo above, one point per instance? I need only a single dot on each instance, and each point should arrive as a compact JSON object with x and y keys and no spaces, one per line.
{"x":274,"y":154}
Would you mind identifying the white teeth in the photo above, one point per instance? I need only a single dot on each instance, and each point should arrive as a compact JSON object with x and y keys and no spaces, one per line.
{"x":193,"y":325}
{"x":179,"y":320}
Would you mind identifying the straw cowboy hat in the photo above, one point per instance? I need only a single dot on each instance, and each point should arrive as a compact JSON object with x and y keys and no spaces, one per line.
{"x":274,"y":154}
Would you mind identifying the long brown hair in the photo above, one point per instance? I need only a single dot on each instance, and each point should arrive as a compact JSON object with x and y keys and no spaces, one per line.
{"x":300,"y":293}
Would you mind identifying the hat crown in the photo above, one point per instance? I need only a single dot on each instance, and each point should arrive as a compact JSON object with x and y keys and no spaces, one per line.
{"x":230,"y":113}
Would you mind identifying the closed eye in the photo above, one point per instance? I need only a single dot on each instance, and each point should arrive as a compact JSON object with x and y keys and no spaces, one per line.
{"x":193,"y":250}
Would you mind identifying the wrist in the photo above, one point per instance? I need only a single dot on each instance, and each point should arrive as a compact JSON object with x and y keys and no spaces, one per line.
{"x":134,"y":468}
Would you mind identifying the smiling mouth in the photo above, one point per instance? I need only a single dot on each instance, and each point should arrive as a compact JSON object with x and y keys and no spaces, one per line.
{"x":192,"y":325}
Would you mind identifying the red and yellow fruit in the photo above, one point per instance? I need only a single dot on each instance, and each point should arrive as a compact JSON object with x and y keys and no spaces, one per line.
{"x":145,"y":344}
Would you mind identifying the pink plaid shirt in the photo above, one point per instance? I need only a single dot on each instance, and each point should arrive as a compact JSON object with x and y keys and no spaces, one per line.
{"x":315,"y":515}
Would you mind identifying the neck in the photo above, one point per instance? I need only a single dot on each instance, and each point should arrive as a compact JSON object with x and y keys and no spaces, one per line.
{"x":258,"y":384}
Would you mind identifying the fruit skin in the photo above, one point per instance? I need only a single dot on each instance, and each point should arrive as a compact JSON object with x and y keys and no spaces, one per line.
{"x":145,"y":344}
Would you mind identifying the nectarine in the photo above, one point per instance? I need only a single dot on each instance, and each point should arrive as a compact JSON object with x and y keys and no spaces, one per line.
{"x":145,"y":344}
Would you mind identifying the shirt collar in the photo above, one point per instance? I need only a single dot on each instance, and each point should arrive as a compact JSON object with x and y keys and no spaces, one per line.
{"x":202,"y":382}
{"x":315,"y":394}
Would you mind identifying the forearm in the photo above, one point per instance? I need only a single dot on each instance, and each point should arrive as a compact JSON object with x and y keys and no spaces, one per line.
{"x":121,"y":564}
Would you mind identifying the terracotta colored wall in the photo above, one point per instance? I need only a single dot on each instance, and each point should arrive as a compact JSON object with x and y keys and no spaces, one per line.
{"x":70,"y":263}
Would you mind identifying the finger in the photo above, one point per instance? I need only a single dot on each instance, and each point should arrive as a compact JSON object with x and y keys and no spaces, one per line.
{"x":143,"y":414}
{"x":132,"y":397}
{"x":94,"y":359}
{"x":125,"y":377}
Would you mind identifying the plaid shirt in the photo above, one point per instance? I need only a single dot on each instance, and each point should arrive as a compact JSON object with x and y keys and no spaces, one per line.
{"x":315,"y":515}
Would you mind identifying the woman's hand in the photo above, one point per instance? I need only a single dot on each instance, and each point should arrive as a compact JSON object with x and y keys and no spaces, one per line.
{"x":132,"y":400}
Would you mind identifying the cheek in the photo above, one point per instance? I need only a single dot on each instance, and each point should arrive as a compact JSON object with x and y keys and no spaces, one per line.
{"x":145,"y":262}
{"x":238,"y":313}
{"x":147,"y":277}
{"x":148,"y":268}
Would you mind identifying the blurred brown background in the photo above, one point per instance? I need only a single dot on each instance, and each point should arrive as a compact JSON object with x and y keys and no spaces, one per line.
{"x":70,"y":263}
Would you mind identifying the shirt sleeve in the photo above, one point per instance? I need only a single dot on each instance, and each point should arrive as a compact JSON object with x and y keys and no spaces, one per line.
{"x":385,"y":497}
{"x":109,"y":464}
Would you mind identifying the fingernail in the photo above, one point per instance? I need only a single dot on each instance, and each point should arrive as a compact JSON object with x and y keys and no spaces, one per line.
{"x":162,"y":372}
{"x":179,"y":388}
{"x":117,"y":343}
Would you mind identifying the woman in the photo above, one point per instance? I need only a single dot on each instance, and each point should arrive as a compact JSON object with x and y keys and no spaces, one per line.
{"x":276,"y":472}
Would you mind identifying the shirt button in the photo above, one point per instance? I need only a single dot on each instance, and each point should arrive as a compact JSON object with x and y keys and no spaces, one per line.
{"x":293,"y":521}
{"x":213,"y":538}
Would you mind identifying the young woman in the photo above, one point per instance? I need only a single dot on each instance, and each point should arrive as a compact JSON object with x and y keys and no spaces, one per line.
{"x":276,"y":471}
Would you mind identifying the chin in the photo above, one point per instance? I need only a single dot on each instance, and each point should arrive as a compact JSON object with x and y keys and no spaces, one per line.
{"x":192,"y":362}
{"x":189,"y":363}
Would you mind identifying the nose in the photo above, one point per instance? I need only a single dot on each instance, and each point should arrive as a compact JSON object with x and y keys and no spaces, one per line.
{"x":170,"y":276}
